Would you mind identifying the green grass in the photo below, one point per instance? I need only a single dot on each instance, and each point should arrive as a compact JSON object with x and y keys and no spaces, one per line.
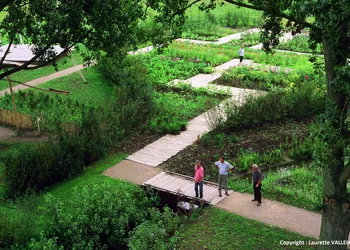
{"x":96,"y":92}
{"x":165,"y":67}
{"x":212,"y":55}
{"x":218,"y":229}
{"x":300,"y":187}
{"x":221,"y":21}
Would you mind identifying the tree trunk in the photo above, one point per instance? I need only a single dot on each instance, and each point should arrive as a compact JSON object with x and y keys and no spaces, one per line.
{"x":335,"y":217}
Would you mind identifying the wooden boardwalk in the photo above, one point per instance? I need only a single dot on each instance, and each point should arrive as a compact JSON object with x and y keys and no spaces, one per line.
{"x":161,"y":150}
{"x":182,"y":185}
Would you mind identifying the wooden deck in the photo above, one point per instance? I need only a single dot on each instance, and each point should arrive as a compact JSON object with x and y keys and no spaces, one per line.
{"x":161,"y":150}
{"x":178,"y":184}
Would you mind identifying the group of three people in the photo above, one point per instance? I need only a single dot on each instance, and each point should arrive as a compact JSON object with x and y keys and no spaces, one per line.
{"x":224,"y":167}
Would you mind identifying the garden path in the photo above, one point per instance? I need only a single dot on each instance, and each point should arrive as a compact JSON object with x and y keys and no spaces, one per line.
{"x":271,"y":212}
{"x":221,"y":40}
{"x":161,"y":150}
{"x":274,"y":213}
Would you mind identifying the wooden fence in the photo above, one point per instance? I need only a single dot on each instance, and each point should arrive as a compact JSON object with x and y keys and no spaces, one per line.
{"x":9,"y":117}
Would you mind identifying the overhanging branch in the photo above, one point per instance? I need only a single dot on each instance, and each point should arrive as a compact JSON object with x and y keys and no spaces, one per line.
{"x":7,"y":51}
{"x":56,"y":91}
{"x":275,"y":11}
{"x":184,"y":9}
{"x":16,"y":68}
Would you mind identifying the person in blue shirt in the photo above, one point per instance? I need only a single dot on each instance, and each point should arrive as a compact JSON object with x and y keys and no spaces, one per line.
{"x":224,"y":167}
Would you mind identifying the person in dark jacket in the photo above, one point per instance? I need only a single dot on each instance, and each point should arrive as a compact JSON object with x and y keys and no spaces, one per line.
{"x":257,"y":177}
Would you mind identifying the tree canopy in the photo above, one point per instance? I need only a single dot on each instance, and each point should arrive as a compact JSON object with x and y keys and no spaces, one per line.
{"x":108,"y":25}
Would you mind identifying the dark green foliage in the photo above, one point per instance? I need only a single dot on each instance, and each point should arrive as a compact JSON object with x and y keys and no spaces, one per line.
{"x":18,"y":228}
{"x":157,"y":232}
{"x":301,"y":150}
{"x":110,"y":26}
{"x":133,"y":89}
{"x":276,"y":106}
{"x":96,"y":217}
{"x":32,"y":167}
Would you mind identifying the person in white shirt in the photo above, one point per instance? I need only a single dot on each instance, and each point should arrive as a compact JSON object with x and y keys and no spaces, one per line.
{"x":241,"y":54}
{"x":224,"y":167}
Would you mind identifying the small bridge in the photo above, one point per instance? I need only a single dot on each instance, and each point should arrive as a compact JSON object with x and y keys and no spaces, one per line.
{"x":183,"y":186}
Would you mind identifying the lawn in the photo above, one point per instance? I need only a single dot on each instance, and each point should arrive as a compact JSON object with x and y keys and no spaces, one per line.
{"x":218,"y":229}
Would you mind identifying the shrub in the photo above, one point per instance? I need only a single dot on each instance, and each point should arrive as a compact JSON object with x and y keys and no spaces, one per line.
{"x":133,"y":89}
{"x":44,"y":244}
{"x":17,"y":227}
{"x":273,"y":106}
{"x":32,"y":167}
{"x":97,"y":217}
{"x":157,"y":232}
{"x":301,"y":150}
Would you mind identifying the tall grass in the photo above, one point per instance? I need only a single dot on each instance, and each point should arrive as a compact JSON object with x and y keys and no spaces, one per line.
{"x":220,"y":21}
{"x":298,"y":186}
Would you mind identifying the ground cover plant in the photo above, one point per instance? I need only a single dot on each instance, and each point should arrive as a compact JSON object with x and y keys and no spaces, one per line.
{"x":241,"y":146}
{"x":299,"y":43}
{"x":212,"y":55}
{"x":166,"y":67}
{"x":267,"y":78}
{"x":273,"y":106}
{"x":296,"y":186}
{"x":277,"y":58}
{"x":218,"y":229}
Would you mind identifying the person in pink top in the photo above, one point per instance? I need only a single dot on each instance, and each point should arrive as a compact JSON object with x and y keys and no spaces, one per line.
{"x":198,"y":179}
